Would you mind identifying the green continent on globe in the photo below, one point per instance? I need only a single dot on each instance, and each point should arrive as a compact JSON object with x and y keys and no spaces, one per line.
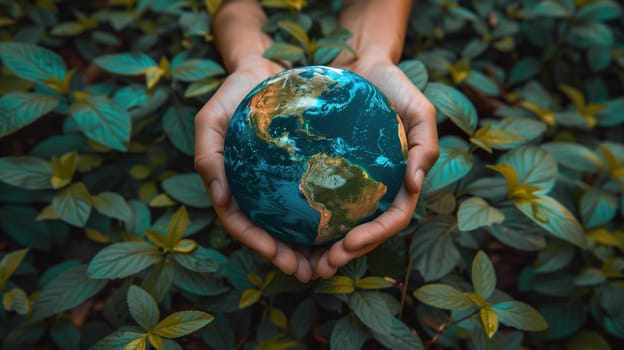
{"x":341,"y":192}
{"x":312,"y":152}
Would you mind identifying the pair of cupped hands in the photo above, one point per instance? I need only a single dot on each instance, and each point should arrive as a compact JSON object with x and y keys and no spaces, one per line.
{"x":307,"y":263}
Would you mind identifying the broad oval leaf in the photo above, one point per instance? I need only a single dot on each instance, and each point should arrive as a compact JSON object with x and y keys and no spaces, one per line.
{"x":416,"y":72}
{"x":489,"y":321}
{"x":182,"y":323}
{"x":19,"y":109}
{"x":452,"y":165}
{"x":284,"y":51}
{"x":524,"y":69}
{"x":534,"y":166}
{"x":336,"y":284}
{"x":483,"y":275}
{"x":452,"y":103}
{"x":112,"y":205}
{"x":196,"y":69}
{"x":32,"y":62}
{"x":600,"y":11}
{"x":26,"y":172}
{"x":73,"y":204}
{"x":597,"y":207}
{"x":104,"y":121}
{"x":188,"y":189}
{"x":589,"y":34}
{"x":520,"y":315}
{"x":443,"y":297}
{"x":15,"y":299}
{"x":296,"y":31}
{"x":201,"y":260}
{"x":177,"y":122}
{"x":126,"y":63}
{"x":143,"y":308}
{"x":348,"y":333}
{"x":120,"y":339}
{"x":475,"y":212}
{"x":401,"y":337}
{"x":482,"y":83}
{"x":372,"y":310}
{"x":574,"y":156}
{"x":9,"y":264}
{"x":433,"y":248}
{"x":123,"y":259}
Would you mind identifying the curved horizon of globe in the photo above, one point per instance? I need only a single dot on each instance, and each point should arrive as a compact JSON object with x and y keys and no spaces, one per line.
{"x":312,"y":152}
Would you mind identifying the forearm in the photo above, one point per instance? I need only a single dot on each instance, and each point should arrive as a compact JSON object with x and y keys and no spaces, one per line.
{"x":238,"y":32}
{"x":378,"y":27}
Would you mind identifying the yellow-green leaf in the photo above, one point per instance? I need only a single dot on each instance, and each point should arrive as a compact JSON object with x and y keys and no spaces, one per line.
{"x":162,"y":200}
{"x":372,"y":282}
{"x":249,"y":297}
{"x":182,"y":323}
{"x":575,"y":95}
{"x":177,"y":225}
{"x":185,"y":246}
{"x":295,"y":31}
{"x":47,"y":213}
{"x":136,"y":344}
{"x":477,"y":299}
{"x":16,"y":300}
{"x":96,"y":236}
{"x":587,"y":340}
{"x":278,"y":318}
{"x":337,"y":284}
{"x":63,"y":169}
{"x":155,"y":340}
{"x":140,"y":171}
{"x":489,"y":320}
{"x":158,"y":238}
{"x":545,"y":114}
{"x":488,"y":138}
{"x":9,"y":264}
{"x":255,"y":279}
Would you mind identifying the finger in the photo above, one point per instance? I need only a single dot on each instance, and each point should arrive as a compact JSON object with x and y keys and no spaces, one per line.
{"x":338,"y":256}
{"x":285,"y":259}
{"x":323,"y":268}
{"x":304,"y":269}
{"x":386,"y":225}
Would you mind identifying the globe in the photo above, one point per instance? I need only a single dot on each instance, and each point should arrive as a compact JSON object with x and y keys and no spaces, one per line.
{"x":313,"y":151}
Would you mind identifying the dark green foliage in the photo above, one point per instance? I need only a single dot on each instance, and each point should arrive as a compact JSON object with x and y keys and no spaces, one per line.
{"x":108,"y":236}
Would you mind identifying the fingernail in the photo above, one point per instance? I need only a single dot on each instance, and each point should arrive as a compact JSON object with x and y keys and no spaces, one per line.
{"x":216,"y":191}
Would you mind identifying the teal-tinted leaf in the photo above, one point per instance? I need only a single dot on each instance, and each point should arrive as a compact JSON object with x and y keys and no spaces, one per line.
{"x":574,"y":156}
{"x":452,"y":165}
{"x":68,"y":29}
{"x":296,"y":31}
{"x":599,"y":58}
{"x":283,"y":51}
{"x":590,"y":277}
{"x":113,"y":205}
{"x":123,"y":259}
{"x":195,"y":23}
{"x":21,"y":225}
{"x":555,"y":256}
{"x":474,"y":48}
{"x":187,"y":189}
{"x":140,"y":218}
{"x":219,"y":335}
{"x":348,"y":334}
{"x":452,"y":103}
{"x":520,"y":315}
{"x":65,"y":334}
{"x":518,"y":231}
{"x":493,"y":188}
{"x":433,"y":249}
{"x":119,"y":339}
{"x":482,"y":83}
{"x":601,"y":11}
{"x":104,"y":121}
{"x":67,"y":290}
{"x":143,"y":308}
{"x":73,"y":204}
{"x":158,"y":280}
{"x":177,"y":122}
{"x":16,"y":299}
{"x":552,"y":8}
{"x":483,"y":275}
{"x":526,"y":68}
{"x":27,"y":172}
{"x":202,"y":87}
{"x":443,"y":297}
{"x":587,"y":34}
{"x":19,"y":109}
{"x":302,"y":318}
{"x":475,"y":212}
{"x":525,"y":128}
{"x":126,"y":63}
{"x":356,"y":268}
{"x":32,"y":62}
{"x":534,"y":166}
{"x":554,"y":218}
{"x":197,"y":283}
{"x":371,"y":309}
{"x":613,"y":112}
{"x":196,"y":69}
{"x":482,"y":341}
{"x":598,"y":207}
{"x":401,"y":337}
{"x":416,"y":72}
{"x":182,"y":323}
{"x":201,"y":260}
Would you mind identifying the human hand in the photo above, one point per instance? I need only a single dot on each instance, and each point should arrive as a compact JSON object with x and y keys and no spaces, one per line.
{"x":418,"y":116}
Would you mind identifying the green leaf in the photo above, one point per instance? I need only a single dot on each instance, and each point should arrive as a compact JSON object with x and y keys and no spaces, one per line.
{"x":158,"y":280}
{"x":416,"y":72}
{"x":15,"y":299}
{"x":482,"y":83}
{"x":219,"y":335}
{"x":372,"y":310}
{"x":177,"y":225}
{"x":534,"y":166}
{"x":27,"y":172}
{"x":443,"y":297}
{"x":196,"y":69}
{"x":554,"y":218}
{"x":201,"y":260}
{"x":589,"y":34}
{"x":143,"y":308}
{"x":126,"y":63}
{"x":433,"y":248}
{"x":526,"y":68}
{"x":296,"y":31}
{"x":67,"y":29}
{"x":483,"y":275}
{"x":348,"y":334}
{"x":452,"y":165}
{"x":302,"y":318}
{"x":282,"y":51}
{"x":123,"y":259}
{"x":597,"y":207}
{"x":452,"y":103}
{"x":182,"y":323}
{"x":65,"y":334}
{"x":587,"y":340}
{"x":372,"y":282}
{"x":489,"y":320}
{"x":67,"y":290}
{"x":400,"y":337}
{"x":113,"y":205}
{"x":73,"y":204}
{"x":9,"y":264}
{"x":600,"y":11}
{"x":177,"y":122}
{"x":590,"y":277}
{"x":119,"y":340}
{"x":188,"y":189}
{"x":574,"y":156}
{"x":552,"y":8}
{"x":104,"y":121}
{"x":475,"y":212}
{"x":249,"y":297}
{"x":63,"y":169}
{"x":336,"y":284}
{"x":19,"y":109}
{"x":32,"y":62}
{"x":520,"y":315}
{"x":555,"y":256}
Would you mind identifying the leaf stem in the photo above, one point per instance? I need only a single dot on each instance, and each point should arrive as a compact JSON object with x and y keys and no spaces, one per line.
{"x":447,"y":325}
{"x":405,"y":284}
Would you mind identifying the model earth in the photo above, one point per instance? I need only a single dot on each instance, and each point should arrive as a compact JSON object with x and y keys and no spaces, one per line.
{"x":312,"y":152}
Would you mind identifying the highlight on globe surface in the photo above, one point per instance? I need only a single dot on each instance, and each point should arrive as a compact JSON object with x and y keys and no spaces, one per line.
{"x":312,"y":152}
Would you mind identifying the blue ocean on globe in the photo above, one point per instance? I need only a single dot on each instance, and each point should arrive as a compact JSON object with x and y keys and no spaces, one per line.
{"x":313,"y":151}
